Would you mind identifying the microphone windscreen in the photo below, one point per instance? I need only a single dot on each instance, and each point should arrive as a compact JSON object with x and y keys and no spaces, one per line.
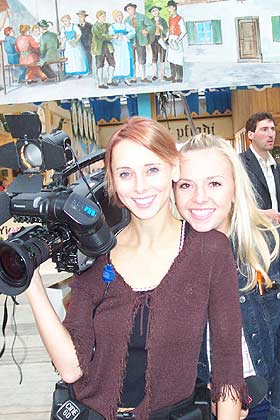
{"x":257,"y":389}
{"x":5,"y":204}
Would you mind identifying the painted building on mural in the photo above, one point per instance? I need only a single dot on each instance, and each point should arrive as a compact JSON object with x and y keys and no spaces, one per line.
{"x":232,"y":30}
{"x":207,"y":50}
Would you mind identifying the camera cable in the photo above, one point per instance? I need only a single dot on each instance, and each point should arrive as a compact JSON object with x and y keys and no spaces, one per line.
{"x":83,"y":175}
{"x":4,"y":325}
{"x":108,"y":275}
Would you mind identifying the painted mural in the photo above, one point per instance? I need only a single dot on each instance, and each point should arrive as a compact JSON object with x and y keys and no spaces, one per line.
{"x":67,"y":49}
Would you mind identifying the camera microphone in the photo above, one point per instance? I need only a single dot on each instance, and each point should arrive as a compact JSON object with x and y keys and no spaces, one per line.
{"x":5,"y":205}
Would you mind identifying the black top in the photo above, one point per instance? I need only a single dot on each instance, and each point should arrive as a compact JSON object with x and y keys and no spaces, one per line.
{"x":134,"y":381}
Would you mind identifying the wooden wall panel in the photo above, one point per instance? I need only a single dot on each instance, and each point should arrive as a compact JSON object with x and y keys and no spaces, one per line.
{"x":247,"y":102}
{"x":273,"y":101}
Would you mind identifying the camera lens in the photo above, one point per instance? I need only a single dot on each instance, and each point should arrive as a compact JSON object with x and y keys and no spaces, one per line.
{"x":12,"y":265}
{"x":20,"y":256}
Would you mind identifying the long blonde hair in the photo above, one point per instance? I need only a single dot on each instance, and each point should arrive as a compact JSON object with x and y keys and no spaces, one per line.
{"x":250,"y":232}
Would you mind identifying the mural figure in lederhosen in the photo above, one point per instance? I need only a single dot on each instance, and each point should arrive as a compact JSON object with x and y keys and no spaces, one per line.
{"x":158,"y":35}
{"x":102,"y":49}
{"x":77,"y":64}
{"x":143,"y":26}
{"x":176,"y":33}
{"x":49,"y":48}
{"x":122,"y":47}
{"x":86,"y":38}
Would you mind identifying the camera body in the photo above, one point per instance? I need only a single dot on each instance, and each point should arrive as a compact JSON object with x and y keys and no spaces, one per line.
{"x":71,"y":224}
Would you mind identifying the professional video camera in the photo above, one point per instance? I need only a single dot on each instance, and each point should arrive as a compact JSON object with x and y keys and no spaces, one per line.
{"x":76,"y":222}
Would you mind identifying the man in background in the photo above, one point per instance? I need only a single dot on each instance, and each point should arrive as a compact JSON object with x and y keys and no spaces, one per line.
{"x":175,"y":53}
{"x":158,"y":37}
{"x":86,"y":38}
{"x":49,"y":49}
{"x":103,"y":49}
{"x":263,"y":170}
{"x":143,"y":26}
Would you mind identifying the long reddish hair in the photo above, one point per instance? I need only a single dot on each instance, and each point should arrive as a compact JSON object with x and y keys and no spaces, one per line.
{"x":147,"y":132}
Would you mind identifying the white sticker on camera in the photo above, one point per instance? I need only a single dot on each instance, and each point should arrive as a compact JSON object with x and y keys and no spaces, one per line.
{"x":68,"y":411}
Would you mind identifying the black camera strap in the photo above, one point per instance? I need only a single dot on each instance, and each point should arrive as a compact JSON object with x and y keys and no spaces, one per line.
{"x":3,"y":329}
{"x":4,"y":324}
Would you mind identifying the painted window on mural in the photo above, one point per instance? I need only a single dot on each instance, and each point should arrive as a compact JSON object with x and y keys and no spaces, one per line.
{"x":204,"y":32}
{"x":276,"y":28}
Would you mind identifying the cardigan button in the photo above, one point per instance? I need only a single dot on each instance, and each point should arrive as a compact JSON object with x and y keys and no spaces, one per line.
{"x":278,"y":295}
{"x":242,"y":299}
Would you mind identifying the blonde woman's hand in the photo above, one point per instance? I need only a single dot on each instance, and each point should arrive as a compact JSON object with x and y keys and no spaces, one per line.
{"x":244,"y":414}
{"x":214,"y":408}
{"x":213,"y":405}
{"x":271,"y":214}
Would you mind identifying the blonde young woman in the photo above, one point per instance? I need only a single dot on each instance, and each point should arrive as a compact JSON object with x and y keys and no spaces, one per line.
{"x":123,"y":34}
{"x":214,"y":192}
{"x":70,"y":38}
{"x":131,"y":349}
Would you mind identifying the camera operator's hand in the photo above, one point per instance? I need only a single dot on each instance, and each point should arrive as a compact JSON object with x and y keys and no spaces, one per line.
{"x":56,"y":338}
{"x":36,"y":282}
{"x":36,"y":274}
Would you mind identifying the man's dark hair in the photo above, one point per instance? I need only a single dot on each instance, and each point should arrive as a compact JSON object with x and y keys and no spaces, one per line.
{"x":251,"y":123}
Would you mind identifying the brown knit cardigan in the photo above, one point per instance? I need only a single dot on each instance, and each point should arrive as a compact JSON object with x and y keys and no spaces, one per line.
{"x":201,"y":284}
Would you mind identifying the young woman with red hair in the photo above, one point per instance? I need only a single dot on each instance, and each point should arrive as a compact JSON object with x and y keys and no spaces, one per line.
{"x":131,"y":350}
